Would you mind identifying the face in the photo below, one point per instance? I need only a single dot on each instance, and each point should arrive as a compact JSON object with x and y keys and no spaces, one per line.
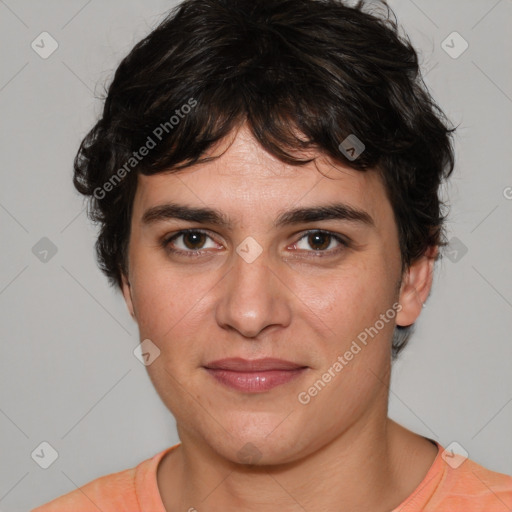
{"x":304,"y":289}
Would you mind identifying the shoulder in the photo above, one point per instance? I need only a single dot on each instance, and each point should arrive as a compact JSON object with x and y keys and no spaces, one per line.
{"x":472,"y":488}
{"x":132,"y":489}
{"x":106,"y":493}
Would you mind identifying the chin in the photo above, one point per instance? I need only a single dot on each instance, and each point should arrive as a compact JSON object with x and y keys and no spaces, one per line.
{"x":265,"y":443}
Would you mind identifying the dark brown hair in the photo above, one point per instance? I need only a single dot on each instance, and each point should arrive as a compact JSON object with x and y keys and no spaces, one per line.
{"x":304,"y":74}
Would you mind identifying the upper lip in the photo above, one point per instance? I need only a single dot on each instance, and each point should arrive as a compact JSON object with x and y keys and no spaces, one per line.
{"x":239,"y":364}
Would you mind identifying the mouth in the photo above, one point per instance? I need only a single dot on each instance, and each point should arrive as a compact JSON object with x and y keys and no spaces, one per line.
{"x":256,"y":375}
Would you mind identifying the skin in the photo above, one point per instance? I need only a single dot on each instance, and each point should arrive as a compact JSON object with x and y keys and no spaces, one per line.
{"x":340,"y":448}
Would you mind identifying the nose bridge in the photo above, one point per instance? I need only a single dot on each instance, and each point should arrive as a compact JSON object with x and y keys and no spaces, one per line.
{"x":252,"y":297}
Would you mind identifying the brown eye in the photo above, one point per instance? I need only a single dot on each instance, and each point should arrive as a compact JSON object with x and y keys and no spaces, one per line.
{"x":321,"y":242}
{"x":189,"y":242}
{"x":194,"y":240}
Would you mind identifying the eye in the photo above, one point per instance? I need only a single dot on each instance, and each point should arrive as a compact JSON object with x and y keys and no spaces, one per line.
{"x":321,"y":241}
{"x":192,"y":242}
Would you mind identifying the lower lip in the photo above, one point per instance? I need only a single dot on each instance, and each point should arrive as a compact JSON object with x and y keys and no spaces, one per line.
{"x":255,"y":382}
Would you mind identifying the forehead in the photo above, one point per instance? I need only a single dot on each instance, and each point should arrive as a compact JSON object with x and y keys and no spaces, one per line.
{"x":247,"y":181}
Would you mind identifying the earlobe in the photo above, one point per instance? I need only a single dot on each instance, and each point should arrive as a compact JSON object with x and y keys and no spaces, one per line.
{"x":416,"y":286}
{"x":127,"y":294}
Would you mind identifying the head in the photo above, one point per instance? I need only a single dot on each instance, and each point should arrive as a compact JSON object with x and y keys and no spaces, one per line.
{"x":236,"y":112}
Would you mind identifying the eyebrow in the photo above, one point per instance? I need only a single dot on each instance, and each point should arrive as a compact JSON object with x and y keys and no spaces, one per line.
{"x":205,"y":215}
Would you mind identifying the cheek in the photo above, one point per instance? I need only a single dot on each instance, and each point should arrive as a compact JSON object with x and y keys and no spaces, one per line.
{"x":348,"y":300}
{"x":160,"y":295}
{"x":171,"y":312}
{"x":157,"y":307}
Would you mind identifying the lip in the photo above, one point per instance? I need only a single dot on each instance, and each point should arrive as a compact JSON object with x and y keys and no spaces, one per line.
{"x":238,"y":364}
{"x":256,"y":375}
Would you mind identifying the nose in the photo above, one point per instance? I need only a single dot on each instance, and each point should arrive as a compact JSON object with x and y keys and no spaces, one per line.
{"x":253,"y":297}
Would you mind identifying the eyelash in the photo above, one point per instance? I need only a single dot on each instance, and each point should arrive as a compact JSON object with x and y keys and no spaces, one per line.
{"x":191,"y":253}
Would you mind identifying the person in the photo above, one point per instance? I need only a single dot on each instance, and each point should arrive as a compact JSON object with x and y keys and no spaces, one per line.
{"x":266,"y":177}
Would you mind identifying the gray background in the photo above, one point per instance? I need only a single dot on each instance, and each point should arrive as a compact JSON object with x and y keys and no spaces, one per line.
{"x":69,"y":376}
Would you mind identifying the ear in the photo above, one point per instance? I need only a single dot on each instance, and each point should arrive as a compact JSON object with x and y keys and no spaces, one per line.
{"x":127,"y":294}
{"x":415,"y":288}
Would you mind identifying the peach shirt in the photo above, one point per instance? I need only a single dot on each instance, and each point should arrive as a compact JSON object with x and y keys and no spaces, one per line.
{"x":466,"y":488}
